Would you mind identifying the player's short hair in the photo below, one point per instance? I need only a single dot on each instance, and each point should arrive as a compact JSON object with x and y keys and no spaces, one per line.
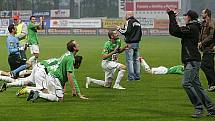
{"x":71,"y":45}
{"x":11,"y":28}
{"x":32,"y":17}
{"x":208,"y":12}
{"x":111,"y":33}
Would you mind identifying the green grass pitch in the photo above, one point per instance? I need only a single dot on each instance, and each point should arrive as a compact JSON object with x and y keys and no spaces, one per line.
{"x":154,"y":98}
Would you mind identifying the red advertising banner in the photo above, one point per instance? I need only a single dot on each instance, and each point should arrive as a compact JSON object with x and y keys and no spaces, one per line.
{"x":129,"y":6}
{"x":150,"y":6}
{"x":155,"y":6}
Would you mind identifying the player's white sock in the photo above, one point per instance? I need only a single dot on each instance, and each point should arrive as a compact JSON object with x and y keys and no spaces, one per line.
{"x":98,"y":82}
{"x":7,"y":79}
{"x":50,"y":97}
{"x":144,"y":65}
{"x":0,"y":72}
{"x":18,"y":83}
{"x":119,"y":77}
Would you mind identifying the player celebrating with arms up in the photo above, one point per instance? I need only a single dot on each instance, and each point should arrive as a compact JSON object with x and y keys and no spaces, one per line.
{"x":109,"y":63}
{"x":33,"y":38}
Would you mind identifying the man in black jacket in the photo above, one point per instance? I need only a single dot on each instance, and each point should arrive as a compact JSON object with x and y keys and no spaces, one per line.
{"x":132,"y":32}
{"x":191,"y":59}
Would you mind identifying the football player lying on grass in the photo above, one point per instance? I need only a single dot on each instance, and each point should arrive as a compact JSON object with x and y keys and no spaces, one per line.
{"x":23,"y":73}
{"x":39,"y":69}
{"x":6,"y":76}
{"x":178,"y":69}
{"x":50,"y":85}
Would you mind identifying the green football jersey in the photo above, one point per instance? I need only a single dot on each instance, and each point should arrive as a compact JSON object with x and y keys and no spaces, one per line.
{"x":32,"y":34}
{"x":50,"y":64}
{"x":179,"y":69}
{"x":65,"y":64}
{"x":109,"y":46}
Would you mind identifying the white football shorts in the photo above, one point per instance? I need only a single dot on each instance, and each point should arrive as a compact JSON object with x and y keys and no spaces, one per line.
{"x":109,"y":68}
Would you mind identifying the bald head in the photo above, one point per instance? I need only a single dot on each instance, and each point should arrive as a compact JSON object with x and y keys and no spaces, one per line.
{"x":129,"y":14}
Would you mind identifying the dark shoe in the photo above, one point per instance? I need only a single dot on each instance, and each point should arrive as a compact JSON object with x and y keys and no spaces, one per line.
{"x":211,"y":112}
{"x":12,"y":75}
{"x":197,"y":114}
{"x":30,"y":96}
{"x":137,"y":79}
{"x":3,"y":87}
{"x":35,"y":96}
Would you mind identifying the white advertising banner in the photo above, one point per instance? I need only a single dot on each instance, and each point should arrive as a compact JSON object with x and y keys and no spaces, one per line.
{"x":5,"y":14}
{"x":75,"y":23}
{"x":24,"y":14}
{"x":146,"y":22}
{"x":122,"y":8}
{"x":62,"y":13}
{"x":3,"y":31}
{"x":4,"y":23}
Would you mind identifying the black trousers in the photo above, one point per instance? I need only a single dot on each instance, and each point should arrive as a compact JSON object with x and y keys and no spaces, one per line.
{"x":15,"y":61}
{"x":23,"y":54}
{"x":207,"y":65}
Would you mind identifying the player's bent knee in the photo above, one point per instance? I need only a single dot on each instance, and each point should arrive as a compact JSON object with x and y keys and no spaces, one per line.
{"x":122,"y":67}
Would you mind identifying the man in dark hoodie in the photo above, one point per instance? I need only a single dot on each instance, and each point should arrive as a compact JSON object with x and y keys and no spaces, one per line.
{"x":191,"y":59}
{"x":132,"y":32}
